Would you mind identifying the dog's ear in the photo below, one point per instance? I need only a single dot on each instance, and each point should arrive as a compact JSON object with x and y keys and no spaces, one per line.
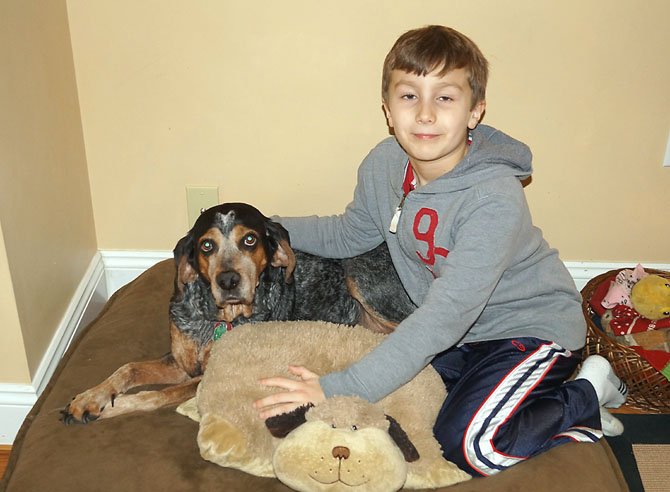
{"x":283,"y":255}
{"x":281,"y":425}
{"x":184,"y":253}
{"x":402,"y":440}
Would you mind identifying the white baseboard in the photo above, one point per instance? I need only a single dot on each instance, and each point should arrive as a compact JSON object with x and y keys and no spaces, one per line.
{"x":122,"y":267}
{"x":16,"y":400}
{"x":110,"y":270}
{"x":583,"y":271}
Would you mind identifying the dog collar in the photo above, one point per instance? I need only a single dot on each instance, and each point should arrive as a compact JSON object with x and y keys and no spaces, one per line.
{"x":221,"y":327}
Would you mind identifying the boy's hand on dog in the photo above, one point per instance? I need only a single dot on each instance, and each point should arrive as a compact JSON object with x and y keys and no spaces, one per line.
{"x":299,"y":393}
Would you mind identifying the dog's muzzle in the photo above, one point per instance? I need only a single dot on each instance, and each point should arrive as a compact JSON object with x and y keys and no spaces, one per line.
{"x":228,"y":281}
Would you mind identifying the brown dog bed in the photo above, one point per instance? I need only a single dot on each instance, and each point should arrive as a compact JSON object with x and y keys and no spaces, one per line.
{"x":158,"y":450}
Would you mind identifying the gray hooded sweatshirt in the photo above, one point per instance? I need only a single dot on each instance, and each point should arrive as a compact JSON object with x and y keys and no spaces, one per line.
{"x":466,"y":252}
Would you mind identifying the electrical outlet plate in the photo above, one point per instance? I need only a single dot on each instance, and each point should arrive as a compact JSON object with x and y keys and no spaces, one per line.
{"x":199,"y":198}
{"x":666,"y":159}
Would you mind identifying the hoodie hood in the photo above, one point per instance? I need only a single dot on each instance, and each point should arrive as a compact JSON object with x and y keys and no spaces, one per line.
{"x":492,"y":155}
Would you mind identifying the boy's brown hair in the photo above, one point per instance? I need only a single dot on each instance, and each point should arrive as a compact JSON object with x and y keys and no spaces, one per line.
{"x":420,"y":51}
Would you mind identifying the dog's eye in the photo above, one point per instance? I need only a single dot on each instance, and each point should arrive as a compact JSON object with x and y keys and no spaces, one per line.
{"x":206,"y":246}
{"x":250,"y":240}
{"x":354,"y":427}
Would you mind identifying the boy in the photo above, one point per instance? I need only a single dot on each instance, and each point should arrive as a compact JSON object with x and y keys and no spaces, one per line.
{"x":498,"y":315}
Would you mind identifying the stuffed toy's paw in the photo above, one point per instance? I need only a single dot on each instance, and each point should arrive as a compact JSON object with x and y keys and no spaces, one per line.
{"x":221,"y":442}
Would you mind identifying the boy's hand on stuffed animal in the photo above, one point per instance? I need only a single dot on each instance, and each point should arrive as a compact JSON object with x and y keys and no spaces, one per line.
{"x":299,"y":393}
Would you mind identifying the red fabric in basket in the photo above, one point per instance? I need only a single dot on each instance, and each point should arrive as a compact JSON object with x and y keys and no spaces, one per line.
{"x":657,"y":359}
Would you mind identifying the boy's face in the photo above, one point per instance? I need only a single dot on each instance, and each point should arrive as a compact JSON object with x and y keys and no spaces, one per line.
{"x":430,"y":116}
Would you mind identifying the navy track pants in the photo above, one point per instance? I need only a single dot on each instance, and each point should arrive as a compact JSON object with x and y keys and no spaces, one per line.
{"x":508,"y":401}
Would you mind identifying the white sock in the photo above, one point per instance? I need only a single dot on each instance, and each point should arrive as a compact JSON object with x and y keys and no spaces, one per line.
{"x":611,"y":425}
{"x":611,"y":391}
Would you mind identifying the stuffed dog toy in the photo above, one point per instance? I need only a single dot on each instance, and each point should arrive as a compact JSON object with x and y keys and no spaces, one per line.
{"x":343,"y":443}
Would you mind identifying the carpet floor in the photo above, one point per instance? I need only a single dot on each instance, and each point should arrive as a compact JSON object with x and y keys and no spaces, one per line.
{"x":643,"y":451}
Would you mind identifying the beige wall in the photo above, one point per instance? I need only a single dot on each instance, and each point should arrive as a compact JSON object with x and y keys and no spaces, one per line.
{"x":48,"y":236}
{"x":12,"y":349}
{"x":277,"y":103}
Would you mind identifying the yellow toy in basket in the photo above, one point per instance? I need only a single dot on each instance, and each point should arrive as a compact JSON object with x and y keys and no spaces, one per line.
{"x":650,"y":297}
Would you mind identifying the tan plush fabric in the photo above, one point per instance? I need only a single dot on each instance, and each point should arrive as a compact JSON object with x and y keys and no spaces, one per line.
{"x":232,"y":435}
{"x":158,"y":451}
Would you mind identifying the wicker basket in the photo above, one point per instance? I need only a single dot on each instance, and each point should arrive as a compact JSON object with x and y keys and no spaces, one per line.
{"x":648,"y":389}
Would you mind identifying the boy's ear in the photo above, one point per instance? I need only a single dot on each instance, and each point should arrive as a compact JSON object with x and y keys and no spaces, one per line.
{"x":387,"y":114}
{"x":477,"y":114}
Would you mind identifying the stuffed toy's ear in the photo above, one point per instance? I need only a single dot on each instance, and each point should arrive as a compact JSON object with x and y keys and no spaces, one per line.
{"x":283,"y":255}
{"x":401,"y":439}
{"x":184,"y":253}
{"x":281,"y":425}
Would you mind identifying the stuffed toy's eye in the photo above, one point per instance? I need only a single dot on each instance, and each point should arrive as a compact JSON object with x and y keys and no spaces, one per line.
{"x":250,"y":240}
{"x":206,"y":246}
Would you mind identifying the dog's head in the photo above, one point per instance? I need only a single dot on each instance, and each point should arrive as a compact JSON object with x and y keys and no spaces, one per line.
{"x":229,"y":247}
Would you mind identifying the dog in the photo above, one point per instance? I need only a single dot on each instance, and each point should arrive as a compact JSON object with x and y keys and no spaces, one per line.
{"x":236,"y":266}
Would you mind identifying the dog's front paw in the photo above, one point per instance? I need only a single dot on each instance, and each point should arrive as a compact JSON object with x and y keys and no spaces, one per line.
{"x":88,"y":406}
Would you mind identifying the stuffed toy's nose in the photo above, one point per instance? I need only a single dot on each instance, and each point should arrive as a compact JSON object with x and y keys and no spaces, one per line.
{"x":340,"y":452}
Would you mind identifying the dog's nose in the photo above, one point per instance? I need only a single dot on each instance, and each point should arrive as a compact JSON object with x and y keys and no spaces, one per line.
{"x":228,"y":280}
{"x":340,"y":452}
